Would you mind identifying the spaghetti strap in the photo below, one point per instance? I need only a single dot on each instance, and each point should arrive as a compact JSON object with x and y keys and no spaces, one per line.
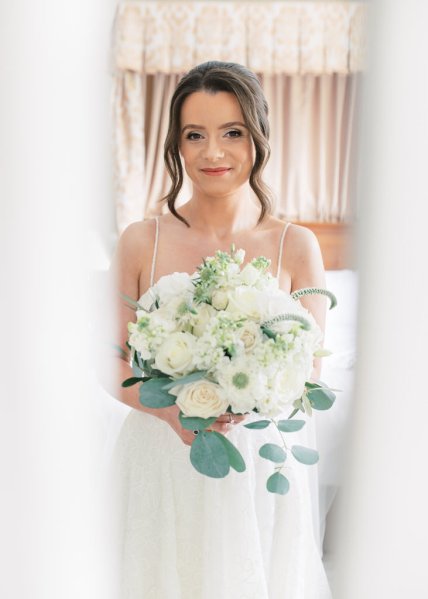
{"x":281,"y":246}
{"x":155,"y":251}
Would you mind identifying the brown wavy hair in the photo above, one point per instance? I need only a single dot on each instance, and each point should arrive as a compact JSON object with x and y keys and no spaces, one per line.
{"x":215,"y":76}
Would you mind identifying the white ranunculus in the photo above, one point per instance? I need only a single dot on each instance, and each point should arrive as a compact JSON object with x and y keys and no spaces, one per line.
{"x":170,"y":286}
{"x":204,"y":313}
{"x":250,"y":275}
{"x":289,"y":382}
{"x":248,"y":302}
{"x":220,"y":299}
{"x":175,"y":355}
{"x":203,"y":399}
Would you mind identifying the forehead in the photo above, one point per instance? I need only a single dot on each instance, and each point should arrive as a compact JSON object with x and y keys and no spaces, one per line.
{"x":204,"y":108}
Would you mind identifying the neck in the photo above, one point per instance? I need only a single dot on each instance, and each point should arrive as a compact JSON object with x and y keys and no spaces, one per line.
{"x":221,"y":218}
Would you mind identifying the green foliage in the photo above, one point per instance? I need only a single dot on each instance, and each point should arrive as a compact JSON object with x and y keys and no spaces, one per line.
{"x":236,"y":460}
{"x":193,"y":423}
{"x":209,"y":455}
{"x":272,"y":452}
{"x":305,"y":455}
{"x":259,"y":424}
{"x":278,"y":483}
{"x":304,"y":323}
{"x":152,"y":394}
{"x":290,"y":426}
{"x":133,"y":380}
{"x":315,"y":291}
{"x":321,"y":398}
{"x":190,"y":378}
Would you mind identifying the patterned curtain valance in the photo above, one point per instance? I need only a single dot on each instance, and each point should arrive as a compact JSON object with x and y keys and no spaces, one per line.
{"x":269,"y":37}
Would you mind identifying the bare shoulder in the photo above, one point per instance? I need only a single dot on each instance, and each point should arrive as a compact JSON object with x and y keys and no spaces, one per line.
{"x":135,"y":247}
{"x":303,"y":256}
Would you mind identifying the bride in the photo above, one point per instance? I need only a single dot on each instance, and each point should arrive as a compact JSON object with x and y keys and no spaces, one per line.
{"x":183,"y":535}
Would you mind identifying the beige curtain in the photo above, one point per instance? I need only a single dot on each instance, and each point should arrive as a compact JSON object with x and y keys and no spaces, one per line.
{"x":313,"y":141}
{"x":309,"y":70}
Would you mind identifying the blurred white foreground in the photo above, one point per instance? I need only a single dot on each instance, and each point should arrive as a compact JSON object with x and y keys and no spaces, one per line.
{"x":381,"y":534}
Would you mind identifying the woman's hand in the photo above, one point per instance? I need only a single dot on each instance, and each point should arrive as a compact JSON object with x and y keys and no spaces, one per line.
{"x":222,"y":425}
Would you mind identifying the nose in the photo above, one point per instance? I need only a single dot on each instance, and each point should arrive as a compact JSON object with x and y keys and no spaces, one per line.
{"x":213,"y":149}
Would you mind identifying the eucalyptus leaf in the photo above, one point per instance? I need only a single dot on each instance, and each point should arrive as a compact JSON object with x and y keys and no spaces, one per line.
{"x":235,"y":458}
{"x":152,"y":394}
{"x":194,"y":423}
{"x":278,"y":483}
{"x":321,"y":398}
{"x":307,"y":406}
{"x":133,"y":380}
{"x":290,"y":426}
{"x":305,"y":455}
{"x":258,"y":424}
{"x":209,"y":456}
{"x":272,"y":452}
{"x":309,"y":385}
{"x":184,"y":380}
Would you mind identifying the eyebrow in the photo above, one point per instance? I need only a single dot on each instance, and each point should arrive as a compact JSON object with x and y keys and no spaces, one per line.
{"x":225,"y":126}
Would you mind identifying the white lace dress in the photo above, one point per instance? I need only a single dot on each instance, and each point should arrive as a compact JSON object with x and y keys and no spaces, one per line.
{"x":187,"y":536}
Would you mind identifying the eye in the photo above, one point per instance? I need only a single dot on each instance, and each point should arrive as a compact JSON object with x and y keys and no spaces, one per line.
{"x":193,"y":136}
{"x":234,"y":133}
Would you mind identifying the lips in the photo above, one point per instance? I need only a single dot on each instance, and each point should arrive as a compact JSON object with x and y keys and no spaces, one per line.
{"x":216,"y":172}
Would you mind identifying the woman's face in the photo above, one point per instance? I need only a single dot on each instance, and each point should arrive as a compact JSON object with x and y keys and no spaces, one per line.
{"x":215,"y":144}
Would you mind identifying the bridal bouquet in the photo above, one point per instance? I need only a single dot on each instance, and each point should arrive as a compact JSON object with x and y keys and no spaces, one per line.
{"x":227,"y":340}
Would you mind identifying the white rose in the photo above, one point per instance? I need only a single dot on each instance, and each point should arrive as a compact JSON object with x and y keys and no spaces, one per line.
{"x":250,"y":335}
{"x":205,"y":311}
{"x":203,"y":399}
{"x":250,"y":275}
{"x":175,"y":355}
{"x":247,"y":301}
{"x":172,"y":285}
{"x":219,"y":299}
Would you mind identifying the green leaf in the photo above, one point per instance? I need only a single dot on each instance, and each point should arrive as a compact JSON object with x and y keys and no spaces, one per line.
{"x":321,"y":398}
{"x":133,"y":380}
{"x":152,"y":394}
{"x":272,"y":452}
{"x":120,"y":351}
{"x":307,"y":406}
{"x":258,"y":424}
{"x":309,"y":385}
{"x":235,"y":458}
{"x":278,"y":483}
{"x":131,"y":302}
{"x":190,"y":378}
{"x":290,"y":426}
{"x":209,"y":456}
{"x":269,"y":333}
{"x":194,"y":423}
{"x":305,"y":455}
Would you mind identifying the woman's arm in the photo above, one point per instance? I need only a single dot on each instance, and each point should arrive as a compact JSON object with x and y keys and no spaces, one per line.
{"x":304,"y":262}
{"x":133,"y":251}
